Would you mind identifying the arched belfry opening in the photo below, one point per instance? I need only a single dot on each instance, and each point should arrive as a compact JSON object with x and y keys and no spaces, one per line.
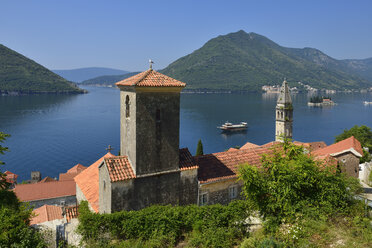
{"x":127,"y":107}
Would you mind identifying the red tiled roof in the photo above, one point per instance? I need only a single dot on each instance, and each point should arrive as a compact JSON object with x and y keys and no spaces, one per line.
{"x":88,"y":181}
{"x":312,"y":146}
{"x":71,"y":213}
{"x":249,"y":145}
{"x":224,"y":165}
{"x":151,"y":78}
{"x":119,"y":168}
{"x":46,"y":213}
{"x":47,"y":179}
{"x":77,"y":169}
{"x":10,"y":177}
{"x":187,"y":161}
{"x":271,"y":144}
{"x":48,"y":190}
{"x":347,"y":145}
{"x":71,"y":173}
{"x":232,"y":149}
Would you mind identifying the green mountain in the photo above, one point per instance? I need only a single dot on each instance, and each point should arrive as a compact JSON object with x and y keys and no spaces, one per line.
{"x":247,"y":61}
{"x":107,"y":80}
{"x":21,"y":75}
{"x":81,"y":74}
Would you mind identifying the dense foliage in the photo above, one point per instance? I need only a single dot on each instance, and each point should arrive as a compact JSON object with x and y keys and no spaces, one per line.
{"x":3,"y":183}
{"x":24,"y":76}
{"x":291,"y":183}
{"x":363,"y":134}
{"x":241,"y":61}
{"x":318,"y":99}
{"x":163,"y":226}
{"x":15,"y":216}
{"x":199,"y":148}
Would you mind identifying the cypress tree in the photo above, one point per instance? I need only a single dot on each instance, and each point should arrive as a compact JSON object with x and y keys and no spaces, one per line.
{"x":199,"y":148}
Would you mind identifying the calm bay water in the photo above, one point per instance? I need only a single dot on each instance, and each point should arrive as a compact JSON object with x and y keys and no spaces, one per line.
{"x":52,"y":133}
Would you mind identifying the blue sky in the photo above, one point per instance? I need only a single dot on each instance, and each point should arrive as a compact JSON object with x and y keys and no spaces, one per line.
{"x":125,"y":34}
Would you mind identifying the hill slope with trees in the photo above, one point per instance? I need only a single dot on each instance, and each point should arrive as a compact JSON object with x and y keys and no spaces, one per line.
{"x":21,"y":75}
{"x":247,"y":61}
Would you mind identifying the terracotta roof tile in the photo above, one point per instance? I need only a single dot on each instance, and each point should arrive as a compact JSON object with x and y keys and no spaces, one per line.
{"x":224,"y":165}
{"x":232,"y":149}
{"x":47,"y":179}
{"x":119,"y":168}
{"x":347,"y":145}
{"x":71,"y":173}
{"x":48,"y":190}
{"x":271,"y":144}
{"x":10,"y":177}
{"x":249,"y":145}
{"x":77,"y":169}
{"x":71,"y":213}
{"x":187,"y":161}
{"x":151,"y":78}
{"x":312,"y":146}
{"x":46,"y":213}
{"x":88,"y":181}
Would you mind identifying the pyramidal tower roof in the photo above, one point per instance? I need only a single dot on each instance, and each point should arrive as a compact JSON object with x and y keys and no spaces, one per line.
{"x":284,"y":96}
{"x":151,"y":78}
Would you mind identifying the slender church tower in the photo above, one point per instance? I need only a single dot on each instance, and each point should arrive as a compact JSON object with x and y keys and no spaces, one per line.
{"x":284,"y":114}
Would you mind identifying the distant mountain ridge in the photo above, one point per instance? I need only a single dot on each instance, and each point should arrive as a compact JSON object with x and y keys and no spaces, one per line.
{"x":107,"y":80}
{"x":21,"y":75}
{"x":81,"y":74}
{"x":247,"y":61}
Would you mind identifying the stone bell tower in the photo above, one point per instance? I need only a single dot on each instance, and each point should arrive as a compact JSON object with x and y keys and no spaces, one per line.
{"x":149,"y":122}
{"x":283,"y":114}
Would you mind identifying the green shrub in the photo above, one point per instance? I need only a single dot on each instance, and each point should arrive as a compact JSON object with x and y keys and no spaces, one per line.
{"x":291,"y":183}
{"x":161,"y":226}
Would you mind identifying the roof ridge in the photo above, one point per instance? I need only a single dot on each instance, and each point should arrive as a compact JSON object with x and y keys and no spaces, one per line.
{"x":144,"y":76}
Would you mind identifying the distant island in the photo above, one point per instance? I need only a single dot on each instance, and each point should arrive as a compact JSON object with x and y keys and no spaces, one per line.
{"x":319,"y":101}
{"x":20,"y":75}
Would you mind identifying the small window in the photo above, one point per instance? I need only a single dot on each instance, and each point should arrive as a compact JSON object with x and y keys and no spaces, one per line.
{"x":104,"y":185}
{"x":158,"y":115}
{"x":203,"y":199}
{"x":233,"y":191}
{"x":127,"y":103}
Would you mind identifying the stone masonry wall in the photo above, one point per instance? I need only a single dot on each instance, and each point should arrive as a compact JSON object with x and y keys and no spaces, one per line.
{"x":349,"y":164}
{"x":189,"y":187}
{"x":142,"y":192}
{"x":218,"y":192}
{"x":157,"y":133}
{"x":59,"y":201}
{"x":104,"y":190}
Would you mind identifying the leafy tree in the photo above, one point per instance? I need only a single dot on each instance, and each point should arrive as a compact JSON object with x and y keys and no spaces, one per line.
{"x":15,"y":216}
{"x":361,"y":133}
{"x":291,"y":183}
{"x":3,"y":183}
{"x":199,"y":148}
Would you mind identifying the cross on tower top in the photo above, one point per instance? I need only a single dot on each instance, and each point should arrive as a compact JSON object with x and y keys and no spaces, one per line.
{"x":109,"y":148}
